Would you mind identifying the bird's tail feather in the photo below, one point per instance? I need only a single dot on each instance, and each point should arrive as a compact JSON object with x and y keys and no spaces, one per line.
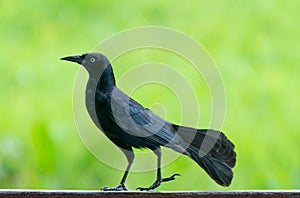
{"x":211,"y":150}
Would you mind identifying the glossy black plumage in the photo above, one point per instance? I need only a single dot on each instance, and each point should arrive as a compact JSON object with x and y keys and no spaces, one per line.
{"x":128,"y":124}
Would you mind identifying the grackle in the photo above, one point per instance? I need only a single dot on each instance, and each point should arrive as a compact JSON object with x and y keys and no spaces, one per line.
{"x":129,"y":125}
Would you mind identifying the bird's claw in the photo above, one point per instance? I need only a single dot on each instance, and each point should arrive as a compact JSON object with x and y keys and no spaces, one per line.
{"x":120,"y":187}
{"x":170,"y":178}
{"x":158,"y":182}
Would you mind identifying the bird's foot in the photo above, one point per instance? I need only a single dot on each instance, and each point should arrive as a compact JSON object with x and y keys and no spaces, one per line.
{"x":158,"y":182}
{"x":120,"y":187}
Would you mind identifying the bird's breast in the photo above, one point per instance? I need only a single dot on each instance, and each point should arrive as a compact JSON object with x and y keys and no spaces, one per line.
{"x":90,"y":105}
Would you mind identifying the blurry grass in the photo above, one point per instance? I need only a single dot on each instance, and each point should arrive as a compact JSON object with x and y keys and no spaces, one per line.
{"x":255,"y":44}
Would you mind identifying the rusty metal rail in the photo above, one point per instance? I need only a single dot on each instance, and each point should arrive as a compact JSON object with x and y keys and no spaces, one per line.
{"x":12,"y":193}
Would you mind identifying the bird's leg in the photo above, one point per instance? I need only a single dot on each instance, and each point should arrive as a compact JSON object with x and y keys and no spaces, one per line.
{"x":121,"y":187}
{"x":159,"y":179}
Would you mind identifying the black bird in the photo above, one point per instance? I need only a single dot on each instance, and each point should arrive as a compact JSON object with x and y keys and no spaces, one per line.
{"x":128,"y":124}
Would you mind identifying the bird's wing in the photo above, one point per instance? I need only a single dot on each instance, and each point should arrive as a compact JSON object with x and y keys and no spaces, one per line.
{"x":138,"y":121}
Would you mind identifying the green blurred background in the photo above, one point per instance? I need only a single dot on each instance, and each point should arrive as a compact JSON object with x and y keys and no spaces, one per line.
{"x":254,"y":43}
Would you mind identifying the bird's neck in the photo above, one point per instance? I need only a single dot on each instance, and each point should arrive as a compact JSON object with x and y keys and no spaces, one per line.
{"x":106,"y":80}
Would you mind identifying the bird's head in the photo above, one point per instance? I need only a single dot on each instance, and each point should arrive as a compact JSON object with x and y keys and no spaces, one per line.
{"x":92,"y":61}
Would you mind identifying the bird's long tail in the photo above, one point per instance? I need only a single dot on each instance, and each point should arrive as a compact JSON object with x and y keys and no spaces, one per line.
{"x":211,"y":150}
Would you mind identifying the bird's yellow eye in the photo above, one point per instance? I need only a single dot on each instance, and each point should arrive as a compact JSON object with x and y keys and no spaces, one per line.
{"x":92,"y":60}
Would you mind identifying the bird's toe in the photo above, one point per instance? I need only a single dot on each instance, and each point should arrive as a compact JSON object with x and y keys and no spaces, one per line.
{"x":170,"y":178}
{"x":120,"y":187}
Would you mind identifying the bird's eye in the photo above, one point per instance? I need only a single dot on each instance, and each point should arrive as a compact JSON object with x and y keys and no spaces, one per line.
{"x":92,"y":60}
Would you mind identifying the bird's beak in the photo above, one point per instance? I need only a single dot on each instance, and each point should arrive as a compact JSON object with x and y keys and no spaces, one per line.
{"x":77,"y":58}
